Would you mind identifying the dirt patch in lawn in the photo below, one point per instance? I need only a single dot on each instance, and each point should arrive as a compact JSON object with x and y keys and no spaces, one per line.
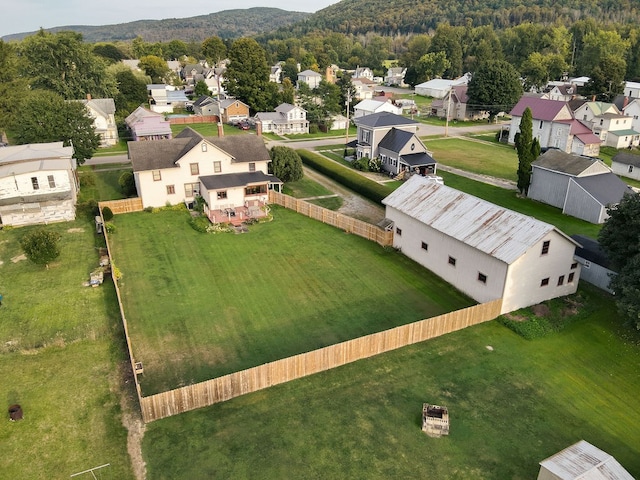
{"x":19,"y":258}
{"x":75,"y":230}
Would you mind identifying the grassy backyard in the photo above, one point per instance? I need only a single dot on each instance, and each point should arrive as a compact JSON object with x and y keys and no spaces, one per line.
{"x":200,"y":306}
{"x":61,"y":349}
{"x":510,"y":408}
{"x":101,"y":182}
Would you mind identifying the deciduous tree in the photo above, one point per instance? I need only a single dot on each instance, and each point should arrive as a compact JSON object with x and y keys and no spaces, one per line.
{"x":285,"y":164}
{"x":41,"y":246}
{"x":494,"y":87}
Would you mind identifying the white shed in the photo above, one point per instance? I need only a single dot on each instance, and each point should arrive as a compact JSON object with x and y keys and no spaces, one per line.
{"x":484,"y":250}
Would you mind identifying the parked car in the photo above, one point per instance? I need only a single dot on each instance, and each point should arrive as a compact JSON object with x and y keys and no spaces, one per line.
{"x":244,"y":125}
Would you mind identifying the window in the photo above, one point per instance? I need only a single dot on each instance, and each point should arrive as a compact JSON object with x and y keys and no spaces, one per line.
{"x":560,"y":280}
{"x":425,"y":246}
{"x":482,"y":277}
{"x":217,"y":167}
{"x":587,"y":264}
{"x":191,"y":189}
{"x":570,"y":277}
{"x":574,"y":265}
{"x":222,"y":195}
{"x":204,"y":149}
{"x":545,"y":247}
{"x":52,"y":181}
{"x":156,"y":175}
{"x":630,"y":168}
{"x":171,"y":189}
{"x":255,"y":190}
{"x":544,"y":282}
{"x":398,"y":231}
{"x":452,"y":261}
{"x":540,"y":123}
{"x":195,"y":170}
{"x":252,"y":166}
{"x":34,"y":183}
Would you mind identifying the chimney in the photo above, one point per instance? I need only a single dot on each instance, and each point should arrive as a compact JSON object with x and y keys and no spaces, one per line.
{"x":625,"y":103}
{"x":259,"y":129}
{"x":88,"y":96}
{"x":593,"y":98}
{"x":220,"y":129}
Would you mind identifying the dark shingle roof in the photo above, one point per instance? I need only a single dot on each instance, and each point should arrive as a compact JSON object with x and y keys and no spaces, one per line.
{"x":384,"y":119}
{"x":606,"y":188}
{"x":229,"y":180}
{"x":159,"y":154}
{"x":395,"y":139}
{"x":592,"y":251}
{"x":563,"y":162}
{"x":418,"y":159}
{"x":627,"y":158}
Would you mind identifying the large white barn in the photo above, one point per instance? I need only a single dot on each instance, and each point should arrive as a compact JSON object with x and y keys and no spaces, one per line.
{"x":486,"y":251}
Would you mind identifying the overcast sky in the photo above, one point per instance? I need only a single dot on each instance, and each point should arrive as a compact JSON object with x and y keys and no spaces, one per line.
{"x":18,"y":16}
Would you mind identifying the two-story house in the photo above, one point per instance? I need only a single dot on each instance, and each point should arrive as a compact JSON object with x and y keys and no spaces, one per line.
{"x":286,"y":120}
{"x":144,"y":124}
{"x":229,"y":173}
{"x":103,"y":111}
{"x":614,"y":128}
{"x":163,"y":98}
{"x":38,"y":184}
{"x":371,"y":129}
{"x":311,"y":78}
{"x":555,"y":126}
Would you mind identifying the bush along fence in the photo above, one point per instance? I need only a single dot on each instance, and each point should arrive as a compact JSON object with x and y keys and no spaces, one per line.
{"x":127,"y":205}
{"x":374,"y":191}
{"x":324,"y":215}
{"x":173,"y":402}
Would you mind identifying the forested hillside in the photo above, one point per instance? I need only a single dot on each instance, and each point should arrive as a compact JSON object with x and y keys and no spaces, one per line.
{"x":421,"y":16}
{"x":226,"y":24}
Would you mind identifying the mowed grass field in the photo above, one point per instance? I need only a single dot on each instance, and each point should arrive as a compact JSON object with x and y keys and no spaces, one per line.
{"x":200,"y":306}
{"x":510,"y":408}
{"x":61,"y":352}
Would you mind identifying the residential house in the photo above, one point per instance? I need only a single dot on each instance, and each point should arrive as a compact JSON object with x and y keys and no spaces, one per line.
{"x":582,"y":461}
{"x":596,"y":266}
{"x":38,"y":184}
{"x":402,"y":153}
{"x":438,"y":87}
{"x":286,"y":120}
{"x":311,"y":78}
{"x":554,"y":126}
{"x":192,"y":73}
{"x":395,"y":76}
{"x":631,"y":108}
{"x":632,"y":89}
{"x":582,"y":187}
{"x":482,"y":249}
{"x":369,"y":107}
{"x":564,"y":92}
{"x":454,"y":105}
{"x":363,"y":89}
{"x":363,"y":72}
{"x":205,"y":106}
{"x":626,"y":164}
{"x":147,"y":125}
{"x":339,"y":122}
{"x":373,"y":128}
{"x":275,"y":74}
{"x":103,"y":111}
{"x":233,"y":110}
{"x":579,"y":81}
{"x":163,"y":98}
{"x":611,"y":126}
{"x":229,"y":173}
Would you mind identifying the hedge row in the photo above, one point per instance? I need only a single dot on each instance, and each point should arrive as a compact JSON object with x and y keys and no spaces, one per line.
{"x":347,"y":177}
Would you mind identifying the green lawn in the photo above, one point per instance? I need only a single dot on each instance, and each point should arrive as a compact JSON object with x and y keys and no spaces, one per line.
{"x":201,"y":306}
{"x":511,"y":200}
{"x":510,"y":408}
{"x":61,"y":348}
{"x":495,"y":160}
{"x":304,"y":188}
{"x":105,"y":183}
{"x":209,"y":129}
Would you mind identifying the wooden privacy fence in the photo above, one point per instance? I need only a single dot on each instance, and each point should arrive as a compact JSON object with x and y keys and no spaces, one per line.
{"x":193,"y":119}
{"x":324,"y":215}
{"x":126,"y":205}
{"x":173,"y":402}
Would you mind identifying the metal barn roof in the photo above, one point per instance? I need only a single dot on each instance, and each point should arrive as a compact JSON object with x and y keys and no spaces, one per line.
{"x":494,"y":230}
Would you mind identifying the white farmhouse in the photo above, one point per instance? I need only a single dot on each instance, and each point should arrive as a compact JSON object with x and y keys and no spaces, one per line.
{"x":37,"y":184}
{"x":486,"y":251}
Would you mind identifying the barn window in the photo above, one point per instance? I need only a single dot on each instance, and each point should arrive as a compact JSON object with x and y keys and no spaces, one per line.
{"x":574,"y":265}
{"x":425,"y":246}
{"x":560,"y":280}
{"x":544,"y":282}
{"x":570,"y":277}
{"x":630,"y":168}
{"x":398,"y":231}
{"x":545,"y":247}
{"x":452,"y":261}
{"x":482,"y":277}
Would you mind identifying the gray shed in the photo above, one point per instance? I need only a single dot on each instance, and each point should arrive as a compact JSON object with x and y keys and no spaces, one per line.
{"x":596,"y":266}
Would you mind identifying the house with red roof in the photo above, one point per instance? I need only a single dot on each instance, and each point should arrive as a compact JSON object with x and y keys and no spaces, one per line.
{"x":555,"y":126}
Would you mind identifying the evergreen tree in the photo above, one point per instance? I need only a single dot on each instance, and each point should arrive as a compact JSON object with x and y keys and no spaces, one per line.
{"x":528,"y":150}
{"x":285,"y":164}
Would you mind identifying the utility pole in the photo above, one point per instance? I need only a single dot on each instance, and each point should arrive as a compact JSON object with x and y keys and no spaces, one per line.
{"x":446,"y":125}
{"x":346,"y":133}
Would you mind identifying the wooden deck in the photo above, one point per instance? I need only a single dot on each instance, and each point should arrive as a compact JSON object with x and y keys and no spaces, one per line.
{"x":236,"y":216}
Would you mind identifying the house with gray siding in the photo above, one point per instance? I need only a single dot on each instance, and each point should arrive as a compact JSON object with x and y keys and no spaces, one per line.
{"x":582,"y":187}
{"x":484,"y":250}
{"x":626,"y":164}
{"x":596,"y":266}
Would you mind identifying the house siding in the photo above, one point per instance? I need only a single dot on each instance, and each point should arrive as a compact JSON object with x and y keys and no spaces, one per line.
{"x":596,"y":275}
{"x":581,"y":204}
{"x":622,"y":170}
{"x":548,"y":187}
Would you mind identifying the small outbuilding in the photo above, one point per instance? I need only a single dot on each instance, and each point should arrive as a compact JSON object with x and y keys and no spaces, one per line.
{"x":596,"y":266}
{"x":435,"y":420}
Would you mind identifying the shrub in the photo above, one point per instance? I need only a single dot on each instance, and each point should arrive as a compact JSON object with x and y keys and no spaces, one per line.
{"x":41,"y":246}
{"x":87,"y":179}
{"x":199,"y":224}
{"x":107,"y":214}
{"x":127,"y":183}
{"x":110,"y":227}
{"x":88,"y":208}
